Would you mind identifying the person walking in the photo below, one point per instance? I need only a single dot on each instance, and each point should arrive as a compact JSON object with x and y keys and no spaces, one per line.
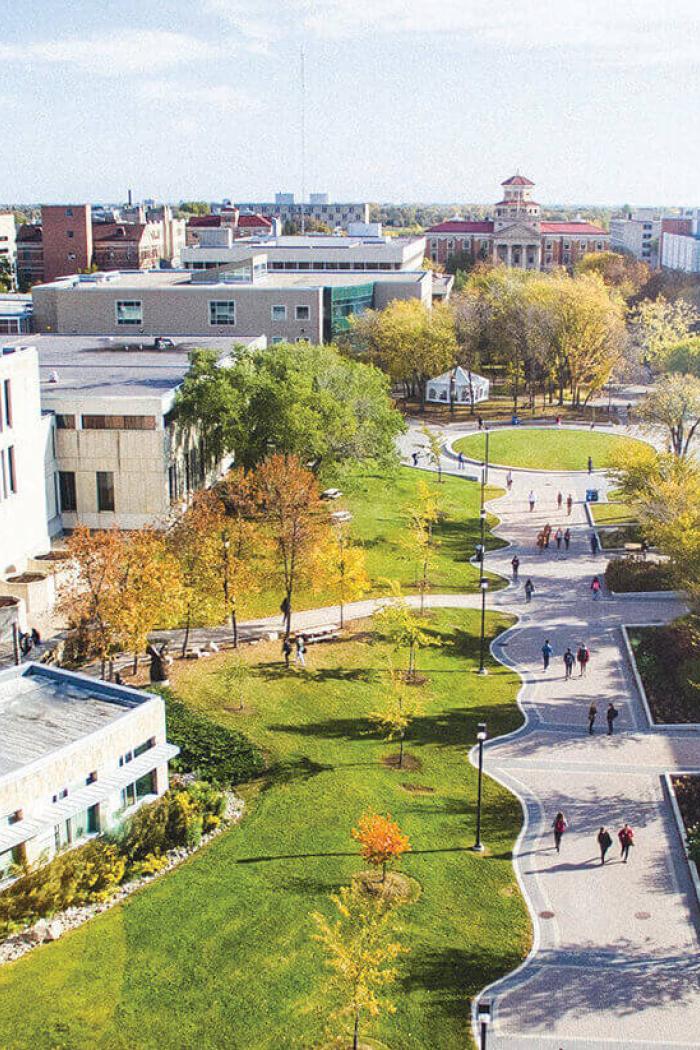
{"x":592,"y":714}
{"x":559,"y":825}
{"x":515,"y":563}
{"x":559,"y":536}
{"x":560,"y":500}
{"x":286,"y":651}
{"x":594,"y":543}
{"x":547,"y":653}
{"x":569,"y":503}
{"x":610,"y":715}
{"x":583,"y":656}
{"x":590,"y":465}
{"x":529,"y":589}
{"x":568,"y":663}
{"x":595,"y":588}
{"x":284,"y":608}
{"x":626,"y":837}
{"x":301,"y":650}
{"x":540,"y":542}
{"x":480,"y":421}
{"x":567,"y":538}
{"x":414,"y":457}
{"x":460,"y":461}
{"x":604,"y":843}
{"x":532,"y":499}
{"x":509,"y":480}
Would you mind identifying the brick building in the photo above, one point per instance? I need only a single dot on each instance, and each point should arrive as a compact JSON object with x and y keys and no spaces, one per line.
{"x":516,"y":236}
{"x":66,"y":231}
{"x":127,"y":246}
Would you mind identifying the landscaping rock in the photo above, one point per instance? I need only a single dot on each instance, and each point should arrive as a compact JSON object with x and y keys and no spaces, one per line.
{"x":38,"y":932}
{"x":54,"y":930}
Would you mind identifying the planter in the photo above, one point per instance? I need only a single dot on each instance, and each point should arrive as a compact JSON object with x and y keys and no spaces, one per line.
{"x":37,"y":591}
{"x":660,"y":726}
{"x":682,"y":830}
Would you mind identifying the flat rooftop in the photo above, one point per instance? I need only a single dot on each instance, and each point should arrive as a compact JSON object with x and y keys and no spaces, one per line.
{"x":142,"y":280}
{"x":43,"y":710}
{"x":106,"y":366}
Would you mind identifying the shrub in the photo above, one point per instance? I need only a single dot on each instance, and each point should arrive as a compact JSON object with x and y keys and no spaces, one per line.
{"x":176,"y":819}
{"x":635,"y":574}
{"x":217,"y":754}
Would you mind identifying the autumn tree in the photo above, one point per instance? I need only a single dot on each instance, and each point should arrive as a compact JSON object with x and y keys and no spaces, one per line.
{"x":618,"y":270}
{"x":434,"y":440}
{"x":188,"y":539}
{"x":361,"y":950}
{"x":684,"y":357}
{"x":401,"y":706}
{"x":344,"y":568}
{"x":469,"y":313}
{"x":295,"y":521}
{"x":658,"y":325}
{"x":403,"y":627}
{"x":674,"y":405}
{"x":234,"y":541}
{"x":381,"y":840}
{"x":420,"y":541}
{"x":90,"y":598}
{"x":148,"y":592}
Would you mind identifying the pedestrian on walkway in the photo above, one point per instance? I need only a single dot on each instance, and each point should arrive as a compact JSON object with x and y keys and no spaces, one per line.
{"x":286,"y":651}
{"x":626,"y":837}
{"x":594,"y":543}
{"x":569,"y":503}
{"x":559,"y":536}
{"x":567,"y":538}
{"x":480,"y":421}
{"x":532,"y":499}
{"x":560,"y":500}
{"x":515,"y":563}
{"x":460,"y":461}
{"x":301,"y":650}
{"x":559,"y":824}
{"x":529,"y":589}
{"x":595,"y":588}
{"x":414,"y":457}
{"x":590,"y":465}
{"x":568,"y":663}
{"x":284,"y":608}
{"x":610,"y":715}
{"x":547,"y":653}
{"x":592,"y":714}
{"x":604,"y":843}
{"x":509,"y":480}
{"x":545,"y":537}
{"x":583,"y":656}
{"x":540,"y":542}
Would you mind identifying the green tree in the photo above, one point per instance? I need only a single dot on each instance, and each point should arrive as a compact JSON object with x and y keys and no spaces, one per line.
{"x":7,"y":276}
{"x":208,"y":408}
{"x":435,"y":440}
{"x":401,"y":706}
{"x":195,"y":207}
{"x":659,"y":325}
{"x":684,"y":357}
{"x":403,"y":627}
{"x":420,"y":541}
{"x":674,"y":405}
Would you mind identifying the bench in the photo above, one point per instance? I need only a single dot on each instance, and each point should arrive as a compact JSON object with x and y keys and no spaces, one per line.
{"x":320,"y":634}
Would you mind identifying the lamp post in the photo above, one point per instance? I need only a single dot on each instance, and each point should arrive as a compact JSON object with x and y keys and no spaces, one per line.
{"x":486,"y":455}
{"x":483,"y":1012}
{"x":480,"y":736}
{"x":453,"y":384}
{"x":484,"y":585}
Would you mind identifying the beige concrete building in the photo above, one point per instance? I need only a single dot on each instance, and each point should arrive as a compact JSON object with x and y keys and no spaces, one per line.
{"x":77,"y":756}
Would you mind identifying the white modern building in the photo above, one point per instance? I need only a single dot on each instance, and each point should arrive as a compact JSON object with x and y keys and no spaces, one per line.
{"x":638,"y":234}
{"x":681,"y":251}
{"x":458,"y":387}
{"x":8,"y":242}
{"x":77,"y":756}
{"x":15,"y":313}
{"x":363,"y":249}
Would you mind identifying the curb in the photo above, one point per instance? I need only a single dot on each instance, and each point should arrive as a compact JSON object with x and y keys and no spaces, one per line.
{"x":648,"y":596}
{"x":691,"y":727}
{"x":680,"y":824}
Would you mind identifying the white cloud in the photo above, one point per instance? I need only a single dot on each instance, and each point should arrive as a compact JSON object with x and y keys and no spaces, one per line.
{"x":222,"y":97}
{"x":131,"y":51}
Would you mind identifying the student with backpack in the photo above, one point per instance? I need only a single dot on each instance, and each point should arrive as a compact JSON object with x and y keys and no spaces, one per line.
{"x":569,"y":661}
{"x":626,"y":837}
{"x":592,"y":714}
{"x":583,"y":656}
{"x":604,"y":843}
{"x":610,"y":715}
{"x":567,"y":538}
{"x":515,"y":563}
{"x":596,"y":588}
{"x":547,"y":653}
{"x":559,"y":825}
{"x":529,"y":589}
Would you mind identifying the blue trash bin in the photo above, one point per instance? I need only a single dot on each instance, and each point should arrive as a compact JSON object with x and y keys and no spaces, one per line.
{"x":592,"y":495}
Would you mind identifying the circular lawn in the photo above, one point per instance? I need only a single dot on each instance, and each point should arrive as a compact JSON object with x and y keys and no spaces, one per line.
{"x":541,"y":448}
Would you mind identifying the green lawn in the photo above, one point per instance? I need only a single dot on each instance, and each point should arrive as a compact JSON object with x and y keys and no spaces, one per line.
{"x":613,"y":513}
{"x":546,"y":449}
{"x":380,"y":505}
{"x":219,"y":953}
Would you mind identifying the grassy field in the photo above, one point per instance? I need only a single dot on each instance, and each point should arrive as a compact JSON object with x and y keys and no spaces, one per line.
{"x":380,"y":506}
{"x":612,"y":513}
{"x":220,"y":953}
{"x":546,"y":449}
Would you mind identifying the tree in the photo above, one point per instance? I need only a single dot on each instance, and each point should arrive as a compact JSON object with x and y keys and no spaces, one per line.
{"x":435,"y":440}
{"x":344,"y":569}
{"x":659,"y":325}
{"x":674,"y":404}
{"x":90,"y":598}
{"x":469,"y":314}
{"x":234,"y":538}
{"x":208,"y":407}
{"x":295,"y":520}
{"x":7,"y":275}
{"x":188,"y":540}
{"x":195,"y":207}
{"x":684,"y":357}
{"x":619,"y":270}
{"x":401,"y":707}
{"x":147,"y":589}
{"x":402,"y":627}
{"x":381,"y":840}
{"x":420,"y":541}
{"x":361,"y":951}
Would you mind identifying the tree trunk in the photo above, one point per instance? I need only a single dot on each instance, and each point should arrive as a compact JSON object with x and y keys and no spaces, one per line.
{"x":356,"y":1033}
{"x":401,"y":751}
{"x":342,"y":615}
{"x":234,"y":628}
{"x":288,"y":615}
{"x":384,"y":871}
{"x":185,"y":640}
{"x":135,"y":666}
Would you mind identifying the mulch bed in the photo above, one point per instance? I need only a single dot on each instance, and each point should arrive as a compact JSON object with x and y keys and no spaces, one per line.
{"x":410,"y":763}
{"x":687,"y":789}
{"x":668,"y":661}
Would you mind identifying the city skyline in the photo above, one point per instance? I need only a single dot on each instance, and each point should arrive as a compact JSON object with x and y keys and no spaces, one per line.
{"x":403,"y":103}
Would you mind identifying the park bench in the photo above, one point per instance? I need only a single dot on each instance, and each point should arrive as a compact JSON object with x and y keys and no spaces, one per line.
{"x":320,"y":634}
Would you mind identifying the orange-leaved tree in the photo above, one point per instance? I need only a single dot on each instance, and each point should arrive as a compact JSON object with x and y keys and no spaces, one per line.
{"x":295,"y":521}
{"x":90,"y":597}
{"x":149,"y":590}
{"x":189,"y":540}
{"x":381,"y":840}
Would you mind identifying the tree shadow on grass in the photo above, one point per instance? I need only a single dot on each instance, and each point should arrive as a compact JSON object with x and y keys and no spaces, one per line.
{"x":276,"y":672}
{"x":292,"y":771}
{"x":451,"y":976}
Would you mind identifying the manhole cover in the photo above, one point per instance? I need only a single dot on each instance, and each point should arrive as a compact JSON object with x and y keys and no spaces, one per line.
{"x":642,"y":915}
{"x":546,"y":914}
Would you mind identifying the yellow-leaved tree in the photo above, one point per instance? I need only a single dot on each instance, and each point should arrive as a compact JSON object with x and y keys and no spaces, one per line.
{"x":400,"y":707}
{"x":419,"y":540}
{"x":343,"y":567}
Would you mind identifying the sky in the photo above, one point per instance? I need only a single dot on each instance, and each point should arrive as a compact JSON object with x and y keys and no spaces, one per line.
{"x":597,"y":101}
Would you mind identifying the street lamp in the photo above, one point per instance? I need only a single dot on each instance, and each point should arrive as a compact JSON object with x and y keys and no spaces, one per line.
{"x":486,"y":456}
{"x":484,"y":585}
{"x":453,"y":384}
{"x":483,"y":1012}
{"x":481,"y":737}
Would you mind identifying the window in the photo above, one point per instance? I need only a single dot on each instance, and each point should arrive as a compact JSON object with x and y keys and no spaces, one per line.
{"x":566,"y":245}
{"x":71,"y":256}
{"x":3,"y":475}
{"x":119,"y":422}
{"x":11,"y":469}
{"x":302,"y":313}
{"x":222,"y":311}
{"x":129,"y":311}
{"x":66,"y":490}
{"x":279,"y":313}
{"x":277,"y":339}
{"x":582,"y":245}
{"x":599,"y":246}
{"x":65,"y":422}
{"x":70,"y":235}
{"x":7,"y":402}
{"x":105,"y":490}
{"x":69,"y":212}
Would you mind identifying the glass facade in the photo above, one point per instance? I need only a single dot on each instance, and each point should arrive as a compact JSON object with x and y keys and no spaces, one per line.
{"x":340,"y":302}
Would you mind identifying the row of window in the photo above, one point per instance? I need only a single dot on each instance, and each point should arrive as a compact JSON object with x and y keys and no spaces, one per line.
{"x":221,"y":312}
{"x":67,"y":493}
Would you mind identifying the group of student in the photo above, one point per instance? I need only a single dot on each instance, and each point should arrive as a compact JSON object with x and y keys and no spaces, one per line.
{"x":560,"y":536}
{"x":625,"y":837}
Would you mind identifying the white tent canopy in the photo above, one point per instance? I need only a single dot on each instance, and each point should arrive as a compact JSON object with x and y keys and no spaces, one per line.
{"x":467,"y":386}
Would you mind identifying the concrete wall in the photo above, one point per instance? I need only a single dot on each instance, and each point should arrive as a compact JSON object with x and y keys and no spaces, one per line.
{"x":23,"y":529}
{"x":386,"y":291}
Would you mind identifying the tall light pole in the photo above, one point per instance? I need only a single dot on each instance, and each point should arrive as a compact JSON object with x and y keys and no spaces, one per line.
{"x":484,"y":585}
{"x":481,"y":737}
{"x":483,"y":1011}
{"x":486,"y":457}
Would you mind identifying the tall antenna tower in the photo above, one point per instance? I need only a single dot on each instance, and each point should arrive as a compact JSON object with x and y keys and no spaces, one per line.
{"x":303,"y":143}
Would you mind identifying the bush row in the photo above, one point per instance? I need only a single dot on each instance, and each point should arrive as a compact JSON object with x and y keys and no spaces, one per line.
{"x":634,"y":574}
{"x":91,"y":873}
